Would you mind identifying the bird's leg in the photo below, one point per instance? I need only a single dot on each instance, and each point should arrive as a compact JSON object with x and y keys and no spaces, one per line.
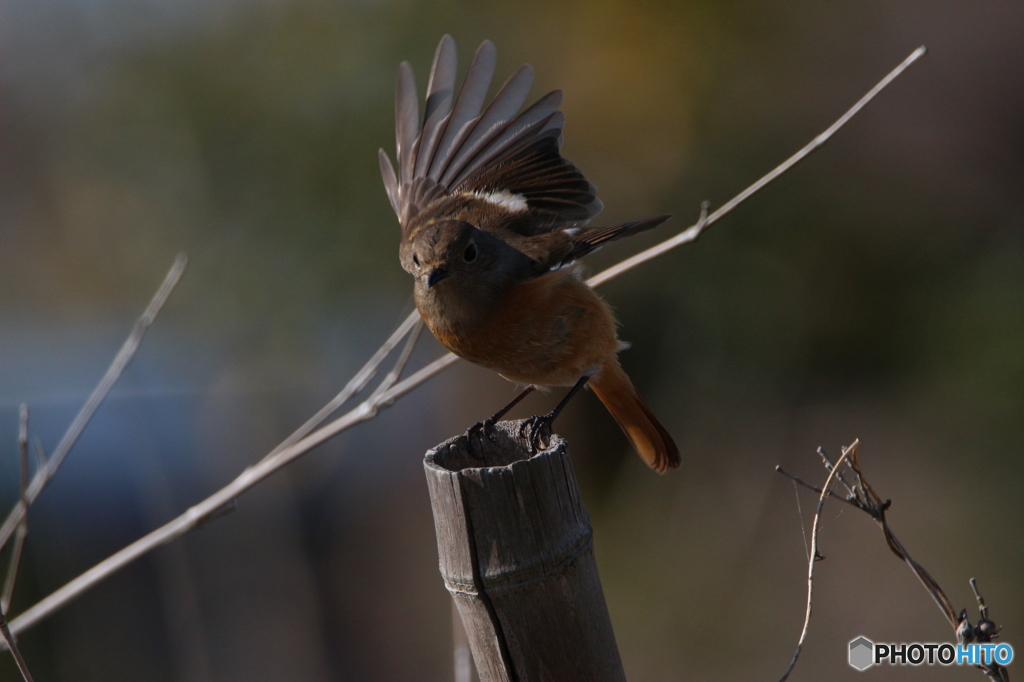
{"x":515,"y":401}
{"x":551,"y":416}
{"x":538,"y":426}
{"x":483,"y":427}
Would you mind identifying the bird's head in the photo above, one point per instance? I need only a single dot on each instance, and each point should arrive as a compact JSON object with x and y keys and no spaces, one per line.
{"x":454,"y":255}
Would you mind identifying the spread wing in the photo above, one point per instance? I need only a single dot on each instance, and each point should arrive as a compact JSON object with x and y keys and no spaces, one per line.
{"x":461,"y":150}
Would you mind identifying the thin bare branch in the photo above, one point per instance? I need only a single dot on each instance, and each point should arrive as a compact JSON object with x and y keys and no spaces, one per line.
{"x":814,"y":558}
{"x":15,"y":556}
{"x":12,"y":645}
{"x":356,"y":384}
{"x":828,"y":467}
{"x":306,"y":438}
{"x":937,"y":593}
{"x":197,"y":514}
{"x":796,"y":479}
{"x":19,"y":535}
{"x":982,"y":608}
{"x":403,"y":360}
{"x":23,"y":451}
{"x":81,"y":420}
{"x":17,"y":547}
{"x":692,"y":233}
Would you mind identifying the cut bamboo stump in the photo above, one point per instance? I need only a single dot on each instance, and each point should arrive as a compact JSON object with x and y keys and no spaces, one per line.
{"x":517,"y":555}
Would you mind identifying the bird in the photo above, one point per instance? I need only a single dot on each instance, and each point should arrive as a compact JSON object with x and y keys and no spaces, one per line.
{"x":493,"y":221}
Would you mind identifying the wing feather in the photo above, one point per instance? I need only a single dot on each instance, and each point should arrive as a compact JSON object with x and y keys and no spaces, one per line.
{"x":467,"y":106}
{"x":506,"y":103}
{"x":562,"y":247}
{"x":532,"y":121}
{"x":440,"y":92}
{"x":463,"y":147}
{"x":387,"y":171}
{"x":407,"y":126}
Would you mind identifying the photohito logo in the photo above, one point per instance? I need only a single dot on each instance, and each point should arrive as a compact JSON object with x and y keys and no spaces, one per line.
{"x":863,"y":653}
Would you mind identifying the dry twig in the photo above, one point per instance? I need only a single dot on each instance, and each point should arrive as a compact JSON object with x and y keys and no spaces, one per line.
{"x":12,"y":645}
{"x":861,"y":495}
{"x":814,"y":557}
{"x":19,"y":536}
{"x":305,"y":438}
{"x":19,"y":543}
{"x":44,"y":474}
{"x":356,"y":384}
{"x":692,"y":233}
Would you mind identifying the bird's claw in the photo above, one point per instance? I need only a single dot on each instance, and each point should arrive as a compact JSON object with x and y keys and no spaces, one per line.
{"x":478,"y":431}
{"x":536,"y":431}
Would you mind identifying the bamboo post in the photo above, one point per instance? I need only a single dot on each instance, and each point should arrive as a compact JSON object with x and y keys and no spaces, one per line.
{"x":517,"y":555}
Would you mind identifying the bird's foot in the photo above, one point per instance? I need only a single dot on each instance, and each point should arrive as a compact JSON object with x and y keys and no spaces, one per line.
{"x":476,"y":433}
{"x":536,"y":431}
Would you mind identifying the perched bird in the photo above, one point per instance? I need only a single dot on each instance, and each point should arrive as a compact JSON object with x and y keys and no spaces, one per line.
{"x":493,"y":218}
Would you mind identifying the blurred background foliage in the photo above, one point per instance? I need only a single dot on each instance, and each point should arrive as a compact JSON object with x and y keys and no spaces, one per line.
{"x":877,"y":291}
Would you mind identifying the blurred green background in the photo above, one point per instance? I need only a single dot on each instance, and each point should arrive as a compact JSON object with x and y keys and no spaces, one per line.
{"x":876,"y":291}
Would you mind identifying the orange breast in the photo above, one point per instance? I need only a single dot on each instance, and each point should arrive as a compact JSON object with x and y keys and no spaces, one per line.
{"x":547,"y":331}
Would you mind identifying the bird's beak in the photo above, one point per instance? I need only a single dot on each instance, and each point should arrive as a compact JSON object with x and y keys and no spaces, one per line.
{"x":435,"y":276}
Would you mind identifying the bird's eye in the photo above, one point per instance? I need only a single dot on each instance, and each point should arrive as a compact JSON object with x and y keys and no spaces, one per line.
{"x":415,"y":260}
{"x":469,"y":255}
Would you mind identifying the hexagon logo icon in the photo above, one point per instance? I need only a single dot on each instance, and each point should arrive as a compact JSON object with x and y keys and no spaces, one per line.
{"x":862,"y":653}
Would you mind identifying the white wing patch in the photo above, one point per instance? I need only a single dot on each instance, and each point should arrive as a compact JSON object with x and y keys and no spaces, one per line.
{"x":513,"y":202}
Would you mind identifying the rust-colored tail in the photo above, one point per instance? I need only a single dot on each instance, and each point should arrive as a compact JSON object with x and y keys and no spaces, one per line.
{"x":649,"y":438}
